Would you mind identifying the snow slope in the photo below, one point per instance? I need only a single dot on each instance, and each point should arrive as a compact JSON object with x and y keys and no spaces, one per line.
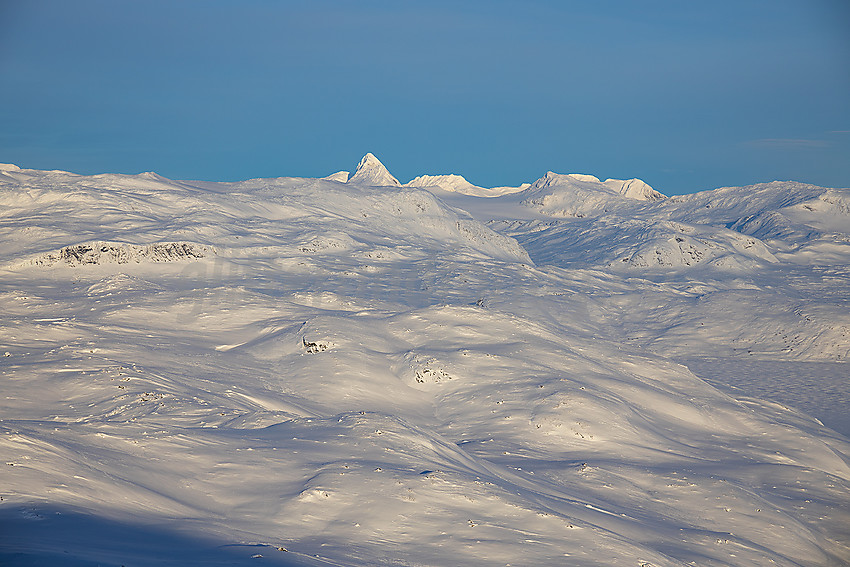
{"x":349,"y":372}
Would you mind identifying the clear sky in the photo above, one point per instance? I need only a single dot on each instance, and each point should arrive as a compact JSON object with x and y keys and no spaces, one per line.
{"x":686,"y":95}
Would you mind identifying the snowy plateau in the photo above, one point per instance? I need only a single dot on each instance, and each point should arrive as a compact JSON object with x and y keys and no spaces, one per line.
{"x":352,"y":371}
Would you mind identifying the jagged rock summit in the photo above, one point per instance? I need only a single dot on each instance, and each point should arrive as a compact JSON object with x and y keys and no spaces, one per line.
{"x":370,"y":171}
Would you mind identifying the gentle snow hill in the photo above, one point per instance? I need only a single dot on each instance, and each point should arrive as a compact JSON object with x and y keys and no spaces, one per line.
{"x":341,"y":176}
{"x":358,"y":373}
{"x":616,"y":243}
{"x":732,"y":203}
{"x":634,"y":189}
{"x":458,"y":184}
{"x":579,"y":195}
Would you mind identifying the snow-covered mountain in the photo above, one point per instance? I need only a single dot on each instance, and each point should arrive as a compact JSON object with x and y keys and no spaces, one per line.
{"x":578,"y":195}
{"x":458,"y":184}
{"x":347,"y":371}
{"x":371,"y":172}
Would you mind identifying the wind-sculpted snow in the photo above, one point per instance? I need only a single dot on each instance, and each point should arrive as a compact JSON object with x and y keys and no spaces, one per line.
{"x":354,"y":374}
{"x":625,"y":243}
{"x":728,"y":204}
{"x":793,"y":216}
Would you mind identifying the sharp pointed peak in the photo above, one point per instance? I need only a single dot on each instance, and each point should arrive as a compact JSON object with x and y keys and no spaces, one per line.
{"x":370,"y":158}
{"x":370,"y":171}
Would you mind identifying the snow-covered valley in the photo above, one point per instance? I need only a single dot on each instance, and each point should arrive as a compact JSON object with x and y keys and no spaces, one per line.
{"x":351,"y":371}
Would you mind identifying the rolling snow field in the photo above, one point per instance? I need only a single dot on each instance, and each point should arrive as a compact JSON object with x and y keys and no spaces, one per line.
{"x":352,"y":371}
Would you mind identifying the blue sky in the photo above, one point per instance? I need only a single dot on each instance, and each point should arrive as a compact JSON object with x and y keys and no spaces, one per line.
{"x":685,"y":95}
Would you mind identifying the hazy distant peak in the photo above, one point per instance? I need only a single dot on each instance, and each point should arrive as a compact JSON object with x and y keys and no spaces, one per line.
{"x":369,"y":160}
{"x":549,"y":179}
{"x":152,"y":175}
{"x":9,"y":167}
{"x":584,"y":177}
{"x":634,"y":189}
{"x":552,"y":179}
{"x":450,"y":182}
{"x":629,"y":188}
{"x":341,"y":176}
{"x":458,"y":184}
{"x":370,"y":171}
